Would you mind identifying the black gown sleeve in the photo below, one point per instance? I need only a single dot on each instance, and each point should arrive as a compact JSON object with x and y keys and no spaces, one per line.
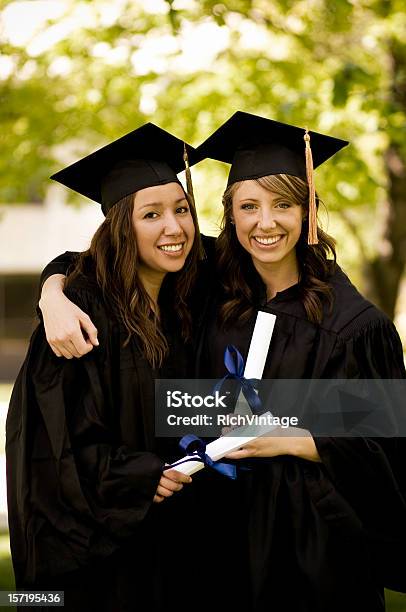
{"x":369,"y":471}
{"x":74,"y":489}
{"x":59,"y":265}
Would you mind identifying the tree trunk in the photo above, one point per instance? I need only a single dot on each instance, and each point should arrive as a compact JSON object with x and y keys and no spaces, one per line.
{"x":386,"y":270}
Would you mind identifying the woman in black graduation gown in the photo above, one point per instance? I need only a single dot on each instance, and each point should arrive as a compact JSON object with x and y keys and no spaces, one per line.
{"x":323,"y":517}
{"x":316,"y":523}
{"x":85,"y":472}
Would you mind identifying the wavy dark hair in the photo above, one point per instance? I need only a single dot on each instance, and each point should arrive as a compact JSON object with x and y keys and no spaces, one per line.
{"x":113,"y":254}
{"x":234,"y":262}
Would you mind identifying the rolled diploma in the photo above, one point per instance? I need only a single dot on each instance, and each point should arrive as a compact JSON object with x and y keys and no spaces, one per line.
{"x":254,"y":368}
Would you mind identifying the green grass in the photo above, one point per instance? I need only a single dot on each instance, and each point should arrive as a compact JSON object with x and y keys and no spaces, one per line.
{"x":395,"y":602}
{"x":6,"y":569}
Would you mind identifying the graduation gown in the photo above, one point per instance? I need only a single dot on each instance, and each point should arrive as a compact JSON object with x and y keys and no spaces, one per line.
{"x":319,"y":536}
{"x":83,"y":466}
{"x":290,"y":533}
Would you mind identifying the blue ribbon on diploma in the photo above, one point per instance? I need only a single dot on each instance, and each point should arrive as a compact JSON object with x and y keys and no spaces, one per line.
{"x":195,"y":450}
{"x":234,"y":362}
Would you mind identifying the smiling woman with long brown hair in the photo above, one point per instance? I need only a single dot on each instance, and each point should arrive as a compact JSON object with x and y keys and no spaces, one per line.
{"x":85,"y":472}
{"x":320,"y":516}
{"x":292,"y":196}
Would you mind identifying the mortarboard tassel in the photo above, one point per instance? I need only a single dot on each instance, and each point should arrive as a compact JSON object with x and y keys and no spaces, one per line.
{"x":189,"y":184}
{"x":312,"y":235}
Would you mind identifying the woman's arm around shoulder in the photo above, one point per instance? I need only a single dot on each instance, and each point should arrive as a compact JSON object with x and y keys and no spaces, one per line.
{"x":69,"y":330}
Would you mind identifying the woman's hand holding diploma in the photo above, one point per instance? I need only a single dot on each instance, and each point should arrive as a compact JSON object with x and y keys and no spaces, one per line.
{"x":171,"y":482}
{"x":289,"y":441}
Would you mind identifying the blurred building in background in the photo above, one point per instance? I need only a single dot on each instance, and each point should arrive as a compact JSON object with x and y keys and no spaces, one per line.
{"x":31,"y":235}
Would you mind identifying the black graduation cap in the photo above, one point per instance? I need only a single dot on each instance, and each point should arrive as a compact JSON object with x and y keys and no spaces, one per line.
{"x":256,"y":147}
{"x":146,"y":157}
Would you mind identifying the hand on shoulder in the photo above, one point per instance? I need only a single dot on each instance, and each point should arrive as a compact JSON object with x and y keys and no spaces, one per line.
{"x":69,"y":330}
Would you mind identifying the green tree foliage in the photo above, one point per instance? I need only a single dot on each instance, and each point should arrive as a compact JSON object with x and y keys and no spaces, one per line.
{"x":96,"y":69}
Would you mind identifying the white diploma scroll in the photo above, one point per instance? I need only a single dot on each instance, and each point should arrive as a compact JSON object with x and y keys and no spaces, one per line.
{"x":254,"y":368}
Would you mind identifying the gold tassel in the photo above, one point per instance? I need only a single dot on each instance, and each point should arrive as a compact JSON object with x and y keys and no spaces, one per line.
{"x":312,"y":234}
{"x":189,"y":184}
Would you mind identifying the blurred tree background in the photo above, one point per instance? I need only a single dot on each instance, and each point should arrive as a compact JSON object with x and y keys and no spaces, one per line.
{"x":86,"y":72}
{"x":95,"y":69}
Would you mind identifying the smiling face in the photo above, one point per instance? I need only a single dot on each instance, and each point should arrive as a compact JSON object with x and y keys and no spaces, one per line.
{"x":163,"y":228}
{"x":267,"y":225}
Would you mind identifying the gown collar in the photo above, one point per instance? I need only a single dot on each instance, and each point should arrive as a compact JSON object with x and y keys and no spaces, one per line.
{"x":290,"y":293}
{"x":259,"y":290}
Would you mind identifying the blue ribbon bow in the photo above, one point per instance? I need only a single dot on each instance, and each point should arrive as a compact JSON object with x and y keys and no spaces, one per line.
{"x":195,"y":450}
{"x":234,"y":362}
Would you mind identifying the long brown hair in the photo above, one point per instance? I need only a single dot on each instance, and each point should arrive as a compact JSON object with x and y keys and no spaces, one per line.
{"x":234,"y":261}
{"x":114,"y":255}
